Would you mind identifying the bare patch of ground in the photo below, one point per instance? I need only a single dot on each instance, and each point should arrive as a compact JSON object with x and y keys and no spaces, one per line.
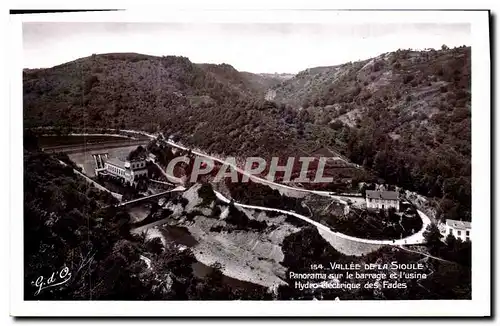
{"x":348,"y":247}
{"x":350,"y":117}
{"x":247,"y":255}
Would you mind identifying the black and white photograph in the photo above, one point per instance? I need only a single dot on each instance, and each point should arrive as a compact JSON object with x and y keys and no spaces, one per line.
{"x":266,"y":158}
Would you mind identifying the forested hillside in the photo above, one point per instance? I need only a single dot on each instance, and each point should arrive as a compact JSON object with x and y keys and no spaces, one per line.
{"x":404,"y":115}
{"x":128,"y":89}
{"x":70,"y":224}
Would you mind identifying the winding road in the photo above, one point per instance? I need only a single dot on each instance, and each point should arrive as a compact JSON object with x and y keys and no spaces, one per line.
{"x":256,"y":178}
{"x":251,"y":176}
{"x":416,"y":238}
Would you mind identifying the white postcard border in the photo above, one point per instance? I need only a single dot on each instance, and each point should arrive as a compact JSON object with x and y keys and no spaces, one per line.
{"x":481,"y":264}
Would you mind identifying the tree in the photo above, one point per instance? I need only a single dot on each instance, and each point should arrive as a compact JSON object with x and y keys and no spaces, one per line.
{"x":392,"y":213}
{"x":432,"y":237}
{"x":138,"y":153}
{"x":207,"y":193}
{"x":155,"y":246}
{"x":451,"y":241}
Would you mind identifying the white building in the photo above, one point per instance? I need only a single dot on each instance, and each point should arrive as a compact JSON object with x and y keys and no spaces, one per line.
{"x":376,"y":199}
{"x":458,"y":229}
{"x":128,"y":171}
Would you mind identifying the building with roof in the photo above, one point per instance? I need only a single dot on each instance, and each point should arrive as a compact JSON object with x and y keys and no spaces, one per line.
{"x":376,"y":199}
{"x":128,"y":171}
{"x":152,"y":157}
{"x":458,"y":229}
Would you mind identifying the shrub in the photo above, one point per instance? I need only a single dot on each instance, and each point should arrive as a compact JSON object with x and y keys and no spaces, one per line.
{"x":206,"y":193}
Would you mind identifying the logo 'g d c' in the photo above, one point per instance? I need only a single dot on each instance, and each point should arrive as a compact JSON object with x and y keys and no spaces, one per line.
{"x":57,"y":278}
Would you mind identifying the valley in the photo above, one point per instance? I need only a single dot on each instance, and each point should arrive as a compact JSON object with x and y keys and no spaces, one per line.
{"x":396,"y":123}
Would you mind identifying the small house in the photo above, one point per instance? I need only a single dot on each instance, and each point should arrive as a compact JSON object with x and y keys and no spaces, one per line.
{"x":458,"y":229}
{"x":382,"y":199}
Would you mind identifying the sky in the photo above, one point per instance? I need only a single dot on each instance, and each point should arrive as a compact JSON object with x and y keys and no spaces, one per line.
{"x":258,"y":48}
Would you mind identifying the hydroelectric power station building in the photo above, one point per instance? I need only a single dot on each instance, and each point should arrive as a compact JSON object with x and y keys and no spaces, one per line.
{"x":127,"y":171}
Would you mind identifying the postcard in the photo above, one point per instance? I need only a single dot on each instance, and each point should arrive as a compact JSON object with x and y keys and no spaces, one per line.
{"x":250,"y":163}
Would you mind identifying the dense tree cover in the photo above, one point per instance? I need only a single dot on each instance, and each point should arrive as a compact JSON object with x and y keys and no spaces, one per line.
{"x":128,"y":89}
{"x":306,"y":247}
{"x":405,"y":115}
{"x":69,"y":224}
{"x":66,"y":223}
{"x":457,"y":250}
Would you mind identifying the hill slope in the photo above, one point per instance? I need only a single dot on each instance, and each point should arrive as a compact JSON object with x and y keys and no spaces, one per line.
{"x":128,"y":89}
{"x":405,"y":114}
